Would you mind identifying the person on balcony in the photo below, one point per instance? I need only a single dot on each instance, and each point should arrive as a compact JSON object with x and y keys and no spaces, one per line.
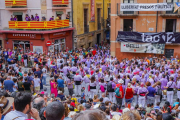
{"x":15,"y":18}
{"x":36,"y":17}
{"x":52,"y":18}
{"x":32,"y":18}
{"x":27,"y":18}
{"x":43,"y":18}
{"x":67,"y":16}
{"x":58,"y":17}
{"x":11,"y":19}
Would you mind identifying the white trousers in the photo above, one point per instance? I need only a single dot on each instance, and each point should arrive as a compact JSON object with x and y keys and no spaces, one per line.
{"x":170,"y":97}
{"x":78,"y":89}
{"x":100,"y":93}
{"x":92,"y":93}
{"x":86,"y":89}
{"x":97,"y":88}
{"x":112,"y":97}
{"x":157,"y":99}
{"x":142,"y":100}
{"x":178,"y":94}
{"x":135,"y":100}
{"x":25,"y":62}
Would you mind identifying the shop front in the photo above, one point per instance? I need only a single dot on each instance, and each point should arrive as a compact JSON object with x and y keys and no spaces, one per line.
{"x":25,"y":41}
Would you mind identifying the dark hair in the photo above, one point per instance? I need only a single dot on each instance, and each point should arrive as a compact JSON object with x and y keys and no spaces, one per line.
{"x":55,"y":111}
{"x":101,"y":99}
{"x":90,"y":115}
{"x":41,"y":113}
{"x":114,"y":107}
{"x":71,"y":108}
{"x":36,"y":75}
{"x":38,"y":105}
{"x":21,"y":100}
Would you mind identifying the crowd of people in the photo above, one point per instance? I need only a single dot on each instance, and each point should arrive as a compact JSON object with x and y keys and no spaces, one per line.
{"x":36,"y":18}
{"x":88,"y":83}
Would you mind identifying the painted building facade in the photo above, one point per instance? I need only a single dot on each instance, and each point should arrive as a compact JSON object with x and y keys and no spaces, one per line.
{"x":143,"y":21}
{"x":90,"y":31}
{"x":21,"y":33}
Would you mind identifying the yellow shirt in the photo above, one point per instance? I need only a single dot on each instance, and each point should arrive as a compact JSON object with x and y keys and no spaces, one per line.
{"x":75,"y":99}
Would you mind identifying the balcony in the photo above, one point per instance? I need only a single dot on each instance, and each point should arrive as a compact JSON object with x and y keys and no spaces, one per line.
{"x":131,"y":14}
{"x":60,"y":4}
{"x":38,"y":24}
{"x":15,"y":3}
{"x":169,"y":14}
{"x":86,"y":28}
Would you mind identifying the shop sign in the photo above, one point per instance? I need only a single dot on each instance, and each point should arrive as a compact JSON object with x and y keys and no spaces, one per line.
{"x":24,"y":36}
{"x":60,"y":34}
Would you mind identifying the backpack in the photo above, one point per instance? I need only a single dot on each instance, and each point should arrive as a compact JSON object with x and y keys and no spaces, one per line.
{"x":102,"y":88}
{"x":117,"y":93}
{"x":159,"y":91}
{"x":109,"y":87}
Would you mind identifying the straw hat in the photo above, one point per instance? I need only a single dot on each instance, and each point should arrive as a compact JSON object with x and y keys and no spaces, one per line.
{"x":6,"y":103}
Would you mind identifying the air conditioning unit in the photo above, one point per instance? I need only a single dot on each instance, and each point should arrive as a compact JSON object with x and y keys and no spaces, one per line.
{"x":75,"y":39}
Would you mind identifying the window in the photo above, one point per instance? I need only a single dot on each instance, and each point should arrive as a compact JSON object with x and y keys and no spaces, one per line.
{"x":99,"y":18}
{"x":172,"y":12}
{"x":70,"y":16}
{"x":86,"y":28}
{"x":171,"y":1}
{"x":128,"y":12}
{"x":169,"y":53}
{"x":19,"y":15}
{"x":128,"y":23}
{"x":128,"y":1}
{"x":170,"y":25}
{"x":59,"y":15}
{"x":109,"y":13}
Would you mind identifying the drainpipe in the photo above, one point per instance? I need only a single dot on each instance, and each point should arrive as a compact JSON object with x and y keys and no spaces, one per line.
{"x":103,"y":21}
{"x":72,"y":23}
{"x":157,"y":17}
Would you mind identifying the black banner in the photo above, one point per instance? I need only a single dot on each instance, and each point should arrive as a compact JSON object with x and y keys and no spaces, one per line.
{"x":162,"y":37}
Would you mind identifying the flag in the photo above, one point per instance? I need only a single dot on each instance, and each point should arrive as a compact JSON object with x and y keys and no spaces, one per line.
{"x":177,"y":6}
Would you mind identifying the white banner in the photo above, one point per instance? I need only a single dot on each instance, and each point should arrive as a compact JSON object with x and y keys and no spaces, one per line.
{"x":146,"y":7}
{"x":142,"y":47}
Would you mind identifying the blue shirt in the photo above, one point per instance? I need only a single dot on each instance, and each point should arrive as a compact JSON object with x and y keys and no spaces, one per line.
{"x":152,"y":91}
{"x":38,"y":73}
{"x":8,"y":84}
{"x":60,"y":83}
{"x":61,"y":96}
{"x":176,"y":103}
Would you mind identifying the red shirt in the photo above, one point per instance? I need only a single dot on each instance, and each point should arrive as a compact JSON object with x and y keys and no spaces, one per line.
{"x":129,"y":93}
{"x":120,"y":90}
{"x":94,"y":52}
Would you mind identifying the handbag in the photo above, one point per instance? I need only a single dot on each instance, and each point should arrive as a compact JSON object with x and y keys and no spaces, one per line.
{"x":164,"y":92}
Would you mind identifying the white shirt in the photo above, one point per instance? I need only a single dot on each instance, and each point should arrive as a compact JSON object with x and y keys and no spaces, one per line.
{"x":44,"y":70}
{"x":36,"y":82}
{"x":15,"y":114}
